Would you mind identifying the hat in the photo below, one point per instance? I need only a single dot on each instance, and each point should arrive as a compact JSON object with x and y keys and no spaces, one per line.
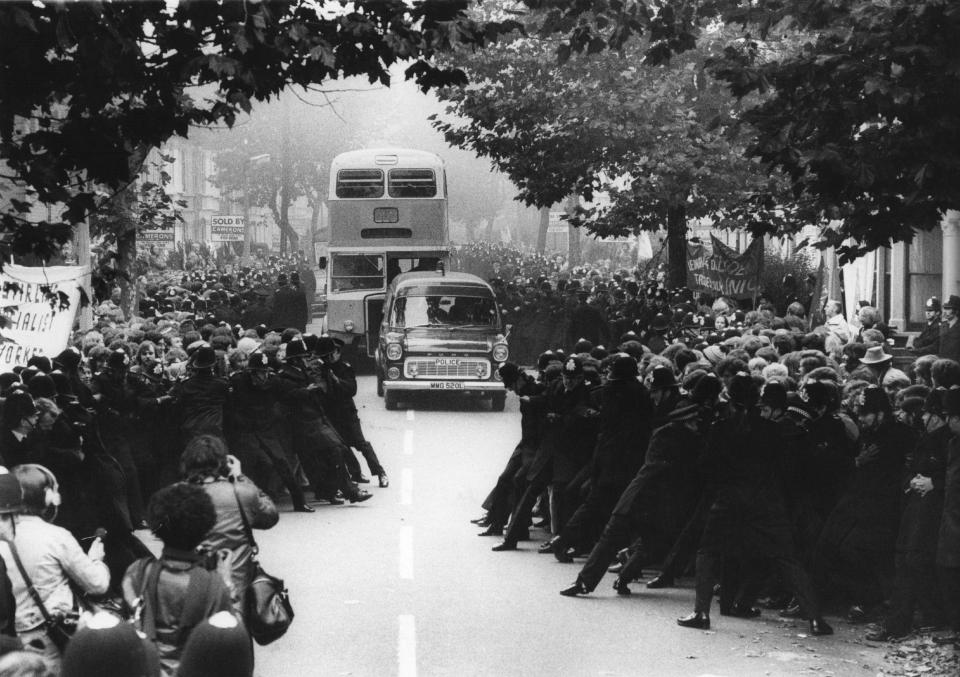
{"x":684,"y":412}
{"x":798,"y":408}
{"x":583,"y":346}
{"x":217,"y":647}
{"x":623,"y":367}
{"x":109,"y":646}
{"x":18,"y":406}
{"x":68,"y":358}
{"x":873,"y":400}
{"x":950,"y":400}
{"x":296,"y":348}
{"x":118,"y":359}
{"x":545,"y":358}
{"x":933,"y":303}
{"x":41,"y":362}
{"x":743,"y":390}
{"x":42,"y":385}
{"x":660,"y":322}
{"x":875,"y":355}
{"x":714,"y":353}
{"x":509,"y":373}
{"x":325,"y":346}
{"x":662,"y":377}
{"x":820,"y":393}
{"x":953,"y":303}
{"x":11,"y":495}
{"x":573,"y":366}
{"x":774,"y":395}
{"x":258,"y":359}
{"x":204,"y":357}
{"x":707,"y":389}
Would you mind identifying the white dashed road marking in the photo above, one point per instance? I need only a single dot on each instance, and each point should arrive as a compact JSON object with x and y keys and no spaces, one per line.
{"x":407,"y":646}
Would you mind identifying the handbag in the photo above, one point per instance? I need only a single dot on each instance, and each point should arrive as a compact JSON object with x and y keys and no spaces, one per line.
{"x":58,"y":628}
{"x":267,"y":609}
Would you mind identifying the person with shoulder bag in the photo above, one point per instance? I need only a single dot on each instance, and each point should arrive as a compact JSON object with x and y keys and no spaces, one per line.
{"x":42,"y":561}
{"x":239,"y":504}
{"x":169,"y":596}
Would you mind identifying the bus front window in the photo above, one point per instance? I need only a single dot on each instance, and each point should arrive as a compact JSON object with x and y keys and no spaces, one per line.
{"x":356,"y":271}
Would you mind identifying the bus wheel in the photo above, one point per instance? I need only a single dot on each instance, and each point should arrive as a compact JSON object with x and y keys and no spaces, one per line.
{"x":390,"y":400}
{"x":498,"y":402}
{"x":379,"y":384}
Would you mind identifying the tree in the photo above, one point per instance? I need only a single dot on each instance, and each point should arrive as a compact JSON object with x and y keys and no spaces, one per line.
{"x":89,"y":88}
{"x":862,"y":117}
{"x":652,"y":144}
{"x":142,"y":205}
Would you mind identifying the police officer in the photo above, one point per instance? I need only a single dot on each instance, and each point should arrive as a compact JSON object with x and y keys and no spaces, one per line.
{"x":928,"y":342}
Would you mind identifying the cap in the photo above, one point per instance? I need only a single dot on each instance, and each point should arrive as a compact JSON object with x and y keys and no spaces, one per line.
{"x":325,"y":346}
{"x":933,"y":303}
{"x":573,"y":366}
{"x":953,"y":303}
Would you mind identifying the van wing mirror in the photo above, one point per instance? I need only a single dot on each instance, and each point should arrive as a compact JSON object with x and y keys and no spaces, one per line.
{"x":506,"y":334}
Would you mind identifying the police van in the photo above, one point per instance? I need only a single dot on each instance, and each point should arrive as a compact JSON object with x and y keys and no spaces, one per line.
{"x":441,"y":332}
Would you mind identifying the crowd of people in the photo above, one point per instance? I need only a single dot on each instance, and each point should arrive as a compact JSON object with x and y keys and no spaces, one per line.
{"x":192,"y":417}
{"x":785,"y":462}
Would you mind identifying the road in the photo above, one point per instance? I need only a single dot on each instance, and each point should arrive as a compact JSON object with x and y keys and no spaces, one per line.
{"x":401,"y":584}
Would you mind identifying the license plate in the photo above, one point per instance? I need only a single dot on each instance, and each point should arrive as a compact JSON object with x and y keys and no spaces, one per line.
{"x":446,"y":385}
{"x":447,"y":362}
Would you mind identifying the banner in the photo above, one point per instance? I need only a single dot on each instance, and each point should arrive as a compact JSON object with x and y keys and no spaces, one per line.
{"x":227,"y":228}
{"x":725,"y":272}
{"x":33,"y":326}
{"x":164,"y":239}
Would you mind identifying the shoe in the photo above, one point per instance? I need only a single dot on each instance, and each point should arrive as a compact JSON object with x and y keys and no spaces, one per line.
{"x":384,"y":480}
{"x":883,"y":635}
{"x":359,"y":496}
{"x":820,"y":628}
{"x":622,"y":588}
{"x":615,"y":569}
{"x":303,"y":508}
{"x":481,"y":521}
{"x":547,"y":547}
{"x":562,"y":553}
{"x":542,"y":524}
{"x":660,"y":581}
{"x":332,"y":500}
{"x":698,"y":620}
{"x":743,"y":612}
{"x":505,"y":546}
{"x":360,"y":479}
{"x":791,"y":611}
{"x":857,"y":614}
{"x":491,"y":531}
{"x":577,"y":588}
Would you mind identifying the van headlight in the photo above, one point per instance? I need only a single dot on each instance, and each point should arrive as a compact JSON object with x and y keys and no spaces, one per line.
{"x":501,"y":352}
{"x":394,"y":351}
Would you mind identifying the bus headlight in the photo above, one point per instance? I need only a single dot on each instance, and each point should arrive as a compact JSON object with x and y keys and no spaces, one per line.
{"x":501,"y":352}
{"x":393,"y":373}
{"x":348,"y":326}
{"x":394,"y":351}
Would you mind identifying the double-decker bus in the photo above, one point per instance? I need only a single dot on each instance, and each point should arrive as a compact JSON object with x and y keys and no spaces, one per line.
{"x":387,"y":215}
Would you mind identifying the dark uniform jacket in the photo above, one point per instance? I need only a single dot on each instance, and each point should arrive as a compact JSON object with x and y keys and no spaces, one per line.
{"x":201,"y":398}
{"x":624,"y":430}
{"x":928,"y":342}
{"x":950,"y":341}
{"x":665,"y":490}
{"x":920,"y":520}
{"x":289,"y":309}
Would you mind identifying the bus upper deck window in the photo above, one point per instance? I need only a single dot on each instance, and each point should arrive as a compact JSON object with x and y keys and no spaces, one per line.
{"x":411,"y":183}
{"x":360,"y":183}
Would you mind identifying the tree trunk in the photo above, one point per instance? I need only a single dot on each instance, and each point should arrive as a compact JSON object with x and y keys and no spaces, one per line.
{"x":677,"y":246}
{"x":542,"y":232}
{"x":574,"y":250}
{"x":127,"y":265}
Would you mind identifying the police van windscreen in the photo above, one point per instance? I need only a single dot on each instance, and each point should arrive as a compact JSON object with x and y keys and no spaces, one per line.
{"x":440,"y":311}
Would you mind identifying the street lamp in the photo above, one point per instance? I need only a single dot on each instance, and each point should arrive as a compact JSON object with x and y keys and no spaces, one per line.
{"x":247,"y":233}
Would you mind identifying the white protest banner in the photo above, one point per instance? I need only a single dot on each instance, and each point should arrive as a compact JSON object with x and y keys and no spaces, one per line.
{"x":227,"y":228}
{"x":34,"y":327}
